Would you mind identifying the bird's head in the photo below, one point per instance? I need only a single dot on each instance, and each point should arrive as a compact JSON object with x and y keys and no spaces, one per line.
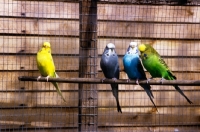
{"x":110,"y":46}
{"x":46,"y":45}
{"x":142,"y":47}
{"x":110,"y":49}
{"x":132,"y":49}
{"x":133,"y":44}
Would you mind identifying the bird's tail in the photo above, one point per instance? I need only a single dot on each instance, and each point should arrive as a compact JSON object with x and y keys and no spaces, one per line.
{"x":115,"y":94}
{"x":147,"y":88}
{"x":58,"y":90}
{"x":181,"y":92}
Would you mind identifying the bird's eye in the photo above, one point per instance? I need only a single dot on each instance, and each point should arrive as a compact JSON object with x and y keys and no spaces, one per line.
{"x":145,"y":55}
{"x":107,"y":54}
{"x":113,"y":54}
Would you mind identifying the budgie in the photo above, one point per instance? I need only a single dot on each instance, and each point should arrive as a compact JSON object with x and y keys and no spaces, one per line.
{"x":110,"y":67}
{"x":46,"y":65}
{"x":156,"y":66}
{"x":134,"y":69}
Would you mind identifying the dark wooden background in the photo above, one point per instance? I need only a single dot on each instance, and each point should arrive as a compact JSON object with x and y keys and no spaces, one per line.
{"x":174,"y":31}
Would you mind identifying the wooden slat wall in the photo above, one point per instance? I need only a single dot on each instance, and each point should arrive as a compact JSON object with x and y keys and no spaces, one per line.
{"x":173,"y":30}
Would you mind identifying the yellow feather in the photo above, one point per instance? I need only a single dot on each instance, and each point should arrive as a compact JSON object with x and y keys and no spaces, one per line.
{"x":142,"y":47}
{"x":46,"y":65}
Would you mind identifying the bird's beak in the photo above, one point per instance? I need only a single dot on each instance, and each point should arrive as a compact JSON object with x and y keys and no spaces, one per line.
{"x":132,"y":46}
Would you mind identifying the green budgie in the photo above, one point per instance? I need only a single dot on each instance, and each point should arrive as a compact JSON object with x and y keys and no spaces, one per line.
{"x":156,"y":66}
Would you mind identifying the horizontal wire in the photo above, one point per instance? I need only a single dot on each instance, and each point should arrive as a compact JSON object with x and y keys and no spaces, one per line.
{"x":104,"y":37}
{"x":104,"y":20}
{"x":99,"y":55}
{"x":24,"y":127}
{"x":126,"y":2}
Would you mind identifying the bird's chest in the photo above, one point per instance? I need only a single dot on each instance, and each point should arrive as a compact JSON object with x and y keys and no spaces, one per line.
{"x":45,"y":65}
{"x":131,"y":67}
{"x":152,"y":65}
{"x":110,"y":65}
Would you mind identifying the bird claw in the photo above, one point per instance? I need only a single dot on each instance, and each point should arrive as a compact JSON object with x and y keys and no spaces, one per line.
{"x":137,"y":82}
{"x":47,"y":78}
{"x":114,"y":79}
{"x":161,"y":80}
{"x":103,"y":80}
{"x":149,"y":79}
{"x":128,"y":80}
{"x":38,"y":78}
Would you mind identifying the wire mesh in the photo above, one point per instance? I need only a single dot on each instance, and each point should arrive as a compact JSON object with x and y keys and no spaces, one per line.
{"x":170,"y":26}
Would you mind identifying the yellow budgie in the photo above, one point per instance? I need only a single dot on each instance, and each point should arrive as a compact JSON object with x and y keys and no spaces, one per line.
{"x":46,"y":65}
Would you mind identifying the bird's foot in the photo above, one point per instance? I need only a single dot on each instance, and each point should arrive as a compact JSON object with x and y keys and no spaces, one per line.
{"x":114,"y":79}
{"x":161,"y":80}
{"x":38,"y":78}
{"x":47,"y":78}
{"x":149,"y":79}
{"x":128,"y":80}
{"x":103,"y":79}
{"x":137,"y":82}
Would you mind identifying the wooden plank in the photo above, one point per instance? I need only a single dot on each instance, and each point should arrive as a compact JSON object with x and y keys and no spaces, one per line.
{"x":67,"y":45}
{"x":38,"y":26}
{"x":11,"y":62}
{"x":136,"y":99}
{"x":39,"y":118}
{"x":111,"y":29}
{"x":148,"y":30}
{"x":39,"y":9}
{"x":112,"y":118}
{"x":105,"y":12}
{"x":28,"y":62}
{"x":26,"y":44}
{"x":109,"y":120}
{"x":155,"y":13}
{"x":149,"y":128}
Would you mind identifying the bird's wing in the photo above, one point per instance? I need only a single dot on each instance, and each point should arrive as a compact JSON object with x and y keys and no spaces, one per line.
{"x":141,"y":70}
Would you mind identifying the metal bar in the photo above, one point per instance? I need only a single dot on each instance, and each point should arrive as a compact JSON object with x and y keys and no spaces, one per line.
{"x":103,"y":126}
{"x":104,"y":107}
{"x":109,"y":81}
{"x":88,"y":95}
{"x":113,"y":37}
{"x":99,"y":55}
{"x":99,"y":90}
{"x":25,"y":128}
{"x":105,"y":20}
{"x":153,"y":125}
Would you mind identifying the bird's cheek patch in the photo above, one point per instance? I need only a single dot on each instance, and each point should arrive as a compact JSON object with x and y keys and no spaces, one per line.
{"x":145,"y":56}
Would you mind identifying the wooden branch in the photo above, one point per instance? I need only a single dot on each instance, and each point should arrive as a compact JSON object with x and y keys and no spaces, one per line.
{"x":109,"y":81}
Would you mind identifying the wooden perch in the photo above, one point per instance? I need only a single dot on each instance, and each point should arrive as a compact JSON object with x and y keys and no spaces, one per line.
{"x":109,"y":81}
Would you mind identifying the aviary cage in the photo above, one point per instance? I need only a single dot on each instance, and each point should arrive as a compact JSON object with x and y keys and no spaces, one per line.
{"x":78,"y":31}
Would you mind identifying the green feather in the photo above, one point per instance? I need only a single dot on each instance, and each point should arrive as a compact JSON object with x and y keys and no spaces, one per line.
{"x":156,"y":66}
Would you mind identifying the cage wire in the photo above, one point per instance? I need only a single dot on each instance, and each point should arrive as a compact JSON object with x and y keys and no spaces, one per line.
{"x":78,"y":31}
